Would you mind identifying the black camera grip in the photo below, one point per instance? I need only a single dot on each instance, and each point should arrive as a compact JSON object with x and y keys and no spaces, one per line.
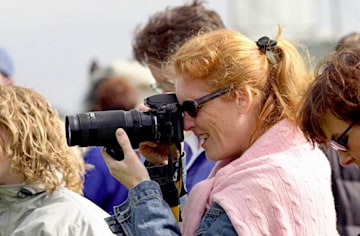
{"x":115,"y":152}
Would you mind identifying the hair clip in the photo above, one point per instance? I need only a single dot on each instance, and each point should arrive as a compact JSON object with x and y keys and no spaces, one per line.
{"x":266,"y":44}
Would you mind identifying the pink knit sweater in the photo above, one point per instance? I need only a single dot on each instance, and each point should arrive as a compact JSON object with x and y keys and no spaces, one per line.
{"x":279,"y":186}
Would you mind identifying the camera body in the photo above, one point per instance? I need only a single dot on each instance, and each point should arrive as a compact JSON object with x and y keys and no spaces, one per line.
{"x":163,"y":123}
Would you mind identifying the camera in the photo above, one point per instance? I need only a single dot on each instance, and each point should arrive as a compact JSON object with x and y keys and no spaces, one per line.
{"x":163,"y":123}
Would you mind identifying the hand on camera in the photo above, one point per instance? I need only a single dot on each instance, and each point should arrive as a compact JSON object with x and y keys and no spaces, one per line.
{"x":157,"y":153}
{"x":130,"y":171}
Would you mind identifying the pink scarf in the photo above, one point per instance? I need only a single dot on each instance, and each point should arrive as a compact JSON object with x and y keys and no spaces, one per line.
{"x":279,"y":186}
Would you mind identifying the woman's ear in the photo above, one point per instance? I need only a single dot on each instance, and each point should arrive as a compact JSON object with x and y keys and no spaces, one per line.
{"x":244,"y":99}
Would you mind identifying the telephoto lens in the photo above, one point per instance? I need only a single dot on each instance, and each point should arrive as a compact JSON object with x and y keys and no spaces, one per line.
{"x":162,"y":123}
{"x":98,"y":128}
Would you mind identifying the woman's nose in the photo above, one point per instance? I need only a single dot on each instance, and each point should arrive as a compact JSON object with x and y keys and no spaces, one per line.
{"x":189,"y":122}
{"x":345,"y":159}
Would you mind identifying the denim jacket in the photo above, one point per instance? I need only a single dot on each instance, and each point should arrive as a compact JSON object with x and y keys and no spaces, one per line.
{"x":146,"y":213}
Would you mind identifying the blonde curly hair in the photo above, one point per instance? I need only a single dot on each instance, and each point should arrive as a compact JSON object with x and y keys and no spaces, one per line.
{"x":34,"y":140}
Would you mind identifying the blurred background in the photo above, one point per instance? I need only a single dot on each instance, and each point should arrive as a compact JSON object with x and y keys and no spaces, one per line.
{"x":52,"y":42}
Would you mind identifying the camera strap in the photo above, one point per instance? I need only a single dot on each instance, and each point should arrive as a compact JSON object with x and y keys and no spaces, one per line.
{"x":170,"y":179}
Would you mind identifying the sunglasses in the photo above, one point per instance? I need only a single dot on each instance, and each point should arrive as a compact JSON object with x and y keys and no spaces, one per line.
{"x":192,"y":106}
{"x":163,"y":86}
{"x":340,"y":144}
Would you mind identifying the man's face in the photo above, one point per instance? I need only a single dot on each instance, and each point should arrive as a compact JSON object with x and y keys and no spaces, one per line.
{"x":162,"y":83}
{"x":333,"y":128}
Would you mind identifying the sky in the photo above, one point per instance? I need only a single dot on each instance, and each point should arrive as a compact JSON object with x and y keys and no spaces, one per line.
{"x":52,"y":42}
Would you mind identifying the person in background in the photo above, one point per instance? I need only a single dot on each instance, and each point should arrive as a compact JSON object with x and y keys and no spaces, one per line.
{"x":115,"y":93}
{"x":6,"y":68}
{"x":240,"y":98}
{"x":132,"y":71}
{"x":155,"y":42}
{"x":348,"y":41}
{"x":120,"y":86}
{"x":41,"y":178}
{"x":331,"y":105}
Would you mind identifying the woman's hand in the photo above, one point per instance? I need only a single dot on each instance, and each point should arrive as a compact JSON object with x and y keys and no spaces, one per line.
{"x":130,"y":171}
{"x":157,"y":153}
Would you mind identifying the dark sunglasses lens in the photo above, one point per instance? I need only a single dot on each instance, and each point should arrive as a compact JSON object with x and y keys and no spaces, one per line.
{"x":190,"y":108}
{"x":343,"y":142}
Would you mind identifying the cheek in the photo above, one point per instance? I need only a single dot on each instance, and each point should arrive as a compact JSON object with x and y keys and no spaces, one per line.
{"x":222,"y":143}
{"x":355,"y":152}
{"x":209,"y":121}
{"x":222,"y":123}
{"x":354,"y":143}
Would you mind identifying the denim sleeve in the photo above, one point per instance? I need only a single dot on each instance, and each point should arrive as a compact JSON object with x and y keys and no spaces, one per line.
{"x":216,"y":222}
{"x":144,"y":213}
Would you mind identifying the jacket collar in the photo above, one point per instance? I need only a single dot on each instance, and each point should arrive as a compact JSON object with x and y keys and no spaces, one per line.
{"x":11,"y":193}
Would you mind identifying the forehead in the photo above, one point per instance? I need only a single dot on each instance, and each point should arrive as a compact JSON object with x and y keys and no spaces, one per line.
{"x":156,"y":71}
{"x":333,"y":126}
{"x":190,"y":88}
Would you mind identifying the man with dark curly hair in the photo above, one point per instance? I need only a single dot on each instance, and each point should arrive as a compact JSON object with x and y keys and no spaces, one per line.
{"x":329,"y":115}
{"x":155,"y":42}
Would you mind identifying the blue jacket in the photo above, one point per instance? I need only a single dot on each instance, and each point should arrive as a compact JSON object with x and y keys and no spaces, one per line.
{"x":154,"y":217}
{"x":99,"y":186}
{"x":198,"y":167}
{"x":199,"y":170}
{"x":104,"y":190}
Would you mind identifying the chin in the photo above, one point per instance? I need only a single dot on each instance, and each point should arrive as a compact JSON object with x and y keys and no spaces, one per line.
{"x":214,"y":156}
{"x":210,"y":156}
